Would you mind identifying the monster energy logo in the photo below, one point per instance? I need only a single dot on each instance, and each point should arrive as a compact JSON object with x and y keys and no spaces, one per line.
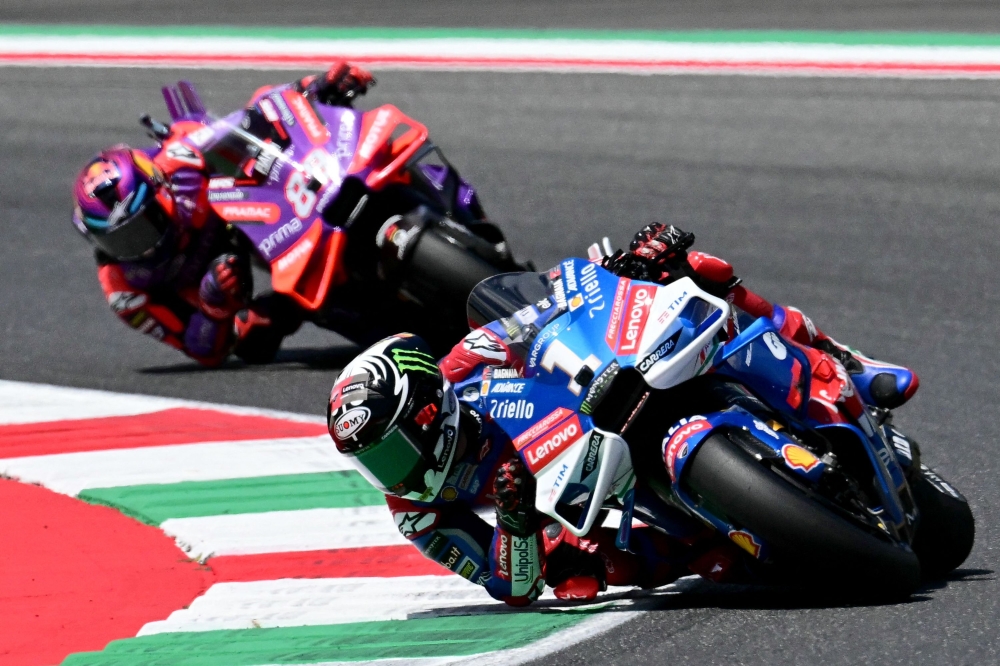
{"x":418,"y":361}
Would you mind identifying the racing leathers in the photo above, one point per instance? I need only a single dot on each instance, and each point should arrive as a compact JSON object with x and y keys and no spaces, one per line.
{"x":188,"y":295}
{"x":194,"y":293}
{"x":525,"y":551}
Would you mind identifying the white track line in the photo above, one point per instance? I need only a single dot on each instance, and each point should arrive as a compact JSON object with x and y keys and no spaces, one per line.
{"x":294,"y":602}
{"x":69,"y":473}
{"x":22,"y":403}
{"x":285,"y":531}
{"x":503,"y":48}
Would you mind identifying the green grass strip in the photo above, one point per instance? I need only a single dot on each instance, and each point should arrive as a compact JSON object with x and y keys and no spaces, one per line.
{"x":696,"y":36}
{"x":152,"y":504}
{"x":400,"y":639}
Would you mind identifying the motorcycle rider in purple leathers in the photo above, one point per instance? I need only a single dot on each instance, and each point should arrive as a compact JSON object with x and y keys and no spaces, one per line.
{"x":395,"y":414}
{"x":165,"y":263}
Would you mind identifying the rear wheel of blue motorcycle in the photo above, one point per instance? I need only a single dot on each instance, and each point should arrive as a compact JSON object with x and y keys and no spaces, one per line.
{"x":809,"y":544}
{"x":946,"y":531}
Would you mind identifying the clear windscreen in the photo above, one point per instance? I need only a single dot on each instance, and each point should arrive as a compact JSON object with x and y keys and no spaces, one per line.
{"x":241,"y":145}
{"x":502,"y":295}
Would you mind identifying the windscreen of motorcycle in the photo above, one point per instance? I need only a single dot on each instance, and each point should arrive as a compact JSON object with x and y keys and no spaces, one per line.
{"x":504,"y":295}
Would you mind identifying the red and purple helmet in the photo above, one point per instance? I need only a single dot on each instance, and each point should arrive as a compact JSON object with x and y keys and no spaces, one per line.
{"x":116,"y":205}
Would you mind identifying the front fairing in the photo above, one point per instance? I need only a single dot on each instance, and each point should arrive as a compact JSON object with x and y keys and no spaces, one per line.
{"x":604,"y":324}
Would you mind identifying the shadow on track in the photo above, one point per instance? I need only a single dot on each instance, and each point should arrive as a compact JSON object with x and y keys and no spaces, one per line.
{"x":694,"y":593}
{"x":296,"y":359}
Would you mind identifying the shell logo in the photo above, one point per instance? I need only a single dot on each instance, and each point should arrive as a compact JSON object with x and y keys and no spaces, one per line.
{"x":746,"y":541}
{"x":798,"y":458}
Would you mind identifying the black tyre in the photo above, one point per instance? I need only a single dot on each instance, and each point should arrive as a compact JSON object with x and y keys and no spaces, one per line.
{"x":810,"y":544}
{"x":947,"y":529}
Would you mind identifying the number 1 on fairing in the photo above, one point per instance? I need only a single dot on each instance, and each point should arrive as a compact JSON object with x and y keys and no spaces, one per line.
{"x":558,"y":355}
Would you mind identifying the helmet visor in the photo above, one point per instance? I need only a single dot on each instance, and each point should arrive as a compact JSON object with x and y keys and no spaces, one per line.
{"x":395,"y":464}
{"x":140,"y":230}
{"x":400,"y":465}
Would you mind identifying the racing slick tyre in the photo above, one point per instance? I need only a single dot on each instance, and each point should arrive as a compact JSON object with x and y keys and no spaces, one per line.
{"x":946,"y":530}
{"x":441,"y":273}
{"x":809,"y":544}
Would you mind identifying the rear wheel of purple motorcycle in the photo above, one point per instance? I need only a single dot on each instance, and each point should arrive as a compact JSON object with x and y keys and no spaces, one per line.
{"x":810,"y":545}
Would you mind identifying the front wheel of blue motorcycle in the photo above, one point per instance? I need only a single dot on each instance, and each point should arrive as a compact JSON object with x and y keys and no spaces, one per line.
{"x":809,"y":544}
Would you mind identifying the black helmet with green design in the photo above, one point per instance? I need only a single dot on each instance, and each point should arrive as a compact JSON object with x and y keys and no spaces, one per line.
{"x":396,"y":417}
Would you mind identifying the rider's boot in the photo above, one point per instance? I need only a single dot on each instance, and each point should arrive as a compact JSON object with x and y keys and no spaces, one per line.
{"x":879,"y":384}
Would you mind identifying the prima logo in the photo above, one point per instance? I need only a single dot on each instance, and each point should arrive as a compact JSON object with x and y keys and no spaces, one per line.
{"x":283,"y":233}
{"x":345,"y":135}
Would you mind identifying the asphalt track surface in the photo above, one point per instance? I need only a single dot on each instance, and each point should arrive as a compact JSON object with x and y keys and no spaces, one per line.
{"x":870,"y":204}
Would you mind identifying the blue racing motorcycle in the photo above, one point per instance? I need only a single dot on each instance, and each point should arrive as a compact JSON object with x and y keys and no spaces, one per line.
{"x":665,"y":403}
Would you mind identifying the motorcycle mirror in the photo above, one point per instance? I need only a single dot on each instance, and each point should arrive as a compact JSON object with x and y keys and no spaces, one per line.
{"x":155,"y":129}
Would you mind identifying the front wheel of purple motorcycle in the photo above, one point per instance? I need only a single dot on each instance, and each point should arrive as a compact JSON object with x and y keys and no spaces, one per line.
{"x":809,"y":544}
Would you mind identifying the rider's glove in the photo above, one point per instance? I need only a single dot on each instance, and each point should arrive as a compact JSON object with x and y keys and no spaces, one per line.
{"x":340,"y":84}
{"x":661,"y":244}
{"x":653,"y":252}
{"x":514,"y":497}
{"x":225,"y":288}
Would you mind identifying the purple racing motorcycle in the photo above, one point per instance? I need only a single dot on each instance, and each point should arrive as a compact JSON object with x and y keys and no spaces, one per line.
{"x":364,"y":226}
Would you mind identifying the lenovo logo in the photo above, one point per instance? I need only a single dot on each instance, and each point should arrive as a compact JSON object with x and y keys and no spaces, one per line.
{"x":635,"y":318}
{"x":551,"y":444}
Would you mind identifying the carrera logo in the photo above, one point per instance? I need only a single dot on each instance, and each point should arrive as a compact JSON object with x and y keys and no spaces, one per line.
{"x":590,"y":460}
{"x":301,"y":250}
{"x":611,"y":336}
{"x":635,"y":318}
{"x":248,"y":212}
{"x":665,"y":349}
{"x":799,"y":458}
{"x":551,"y":444}
{"x":673,"y":446}
{"x":351,"y":422}
{"x":311,"y":124}
{"x":534,"y":431}
{"x":375,"y":135}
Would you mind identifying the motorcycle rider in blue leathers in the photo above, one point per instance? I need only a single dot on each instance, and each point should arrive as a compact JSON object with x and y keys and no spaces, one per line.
{"x":439,"y":457}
